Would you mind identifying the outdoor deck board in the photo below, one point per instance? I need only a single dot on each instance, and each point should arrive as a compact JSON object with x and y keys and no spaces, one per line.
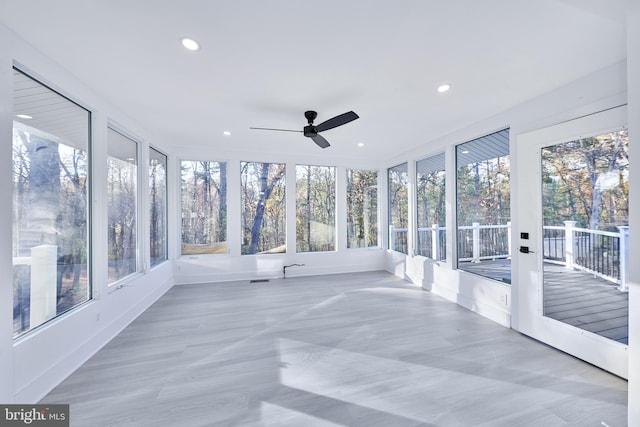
{"x":567,"y":312}
{"x":574,"y":297}
{"x":586,"y":301}
{"x":620,"y":334}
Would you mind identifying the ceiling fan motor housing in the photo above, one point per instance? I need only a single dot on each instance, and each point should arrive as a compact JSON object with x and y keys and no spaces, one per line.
{"x":310,"y":131}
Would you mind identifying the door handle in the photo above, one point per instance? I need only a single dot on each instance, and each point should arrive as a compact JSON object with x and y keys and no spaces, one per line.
{"x":525,"y":250}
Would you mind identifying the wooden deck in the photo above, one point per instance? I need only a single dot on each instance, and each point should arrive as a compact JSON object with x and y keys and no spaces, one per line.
{"x":587,"y":302}
{"x":573,"y":297}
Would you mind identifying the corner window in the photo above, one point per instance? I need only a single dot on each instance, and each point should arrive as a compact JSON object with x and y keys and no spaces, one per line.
{"x":204,"y":207}
{"x":51,"y":139}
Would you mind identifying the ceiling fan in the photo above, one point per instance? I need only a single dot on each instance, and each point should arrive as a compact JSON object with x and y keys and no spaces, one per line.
{"x":312,"y":131}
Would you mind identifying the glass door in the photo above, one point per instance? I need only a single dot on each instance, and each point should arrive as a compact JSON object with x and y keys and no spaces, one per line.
{"x":572,"y":248}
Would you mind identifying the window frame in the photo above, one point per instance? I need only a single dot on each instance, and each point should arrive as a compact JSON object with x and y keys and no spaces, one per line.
{"x":456,"y":233}
{"x":335,"y":206}
{"x":140,"y":215}
{"x":389,"y":207}
{"x":443,"y":175}
{"x":376,"y":211}
{"x":89,"y":183}
{"x":283,"y":213}
{"x":179,"y":208}
{"x":166,"y":208}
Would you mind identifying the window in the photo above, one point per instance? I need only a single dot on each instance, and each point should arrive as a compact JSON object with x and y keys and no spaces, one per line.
{"x":483,"y":211}
{"x":398,"y":207}
{"x":430,"y":193}
{"x":263,"y":208}
{"x":122,"y":190}
{"x":362,"y":208}
{"x":204,"y":207}
{"x":585,"y":233}
{"x":51,"y":139}
{"x":157,"y":206}
{"x":315,"y":208}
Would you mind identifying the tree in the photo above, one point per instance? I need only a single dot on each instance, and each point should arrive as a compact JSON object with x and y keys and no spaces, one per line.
{"x":399,"y":205}
{"x":157,"y":208}
{"x":268,"y":177}
{"x":204,"y":216}
{"x":362,"y":229}
{"x":587,"y":181}
{"x":315,"y":206}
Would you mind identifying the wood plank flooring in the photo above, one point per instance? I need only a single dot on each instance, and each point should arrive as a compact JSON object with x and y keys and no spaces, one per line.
{"x":361,"y":349}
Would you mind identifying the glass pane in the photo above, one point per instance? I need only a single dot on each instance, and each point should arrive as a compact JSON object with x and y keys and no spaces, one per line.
{"x":398,"y":208}
{"x":362,"y":208}
{"x":585,"y":200}
{"x":157,"y":206}
{"x":430,"y":192}
{"x":122,"y":190}
{"x":50,"y":204}
{"x":315,"y":208}
{"x":263,"y":208}
{"x":204,"y":207}
{"x":483,"y":211}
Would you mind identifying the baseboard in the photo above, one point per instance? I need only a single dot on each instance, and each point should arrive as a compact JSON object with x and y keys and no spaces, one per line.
{"x":296,"y":271}
{"x":485,"y":309}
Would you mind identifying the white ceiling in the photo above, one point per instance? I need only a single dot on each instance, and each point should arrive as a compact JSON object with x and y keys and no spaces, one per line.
{"x":263,"y":63}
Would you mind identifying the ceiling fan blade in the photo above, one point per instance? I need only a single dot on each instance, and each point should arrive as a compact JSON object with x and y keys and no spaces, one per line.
{"x":281,"y":130}
{"x":320,"y":141}
{"x":337,"y":121}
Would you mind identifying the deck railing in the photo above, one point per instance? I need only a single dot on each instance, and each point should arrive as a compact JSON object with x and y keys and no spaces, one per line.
{"x":602,"y":253}
{"x":477,"y":242}
{"x":432,"y":242}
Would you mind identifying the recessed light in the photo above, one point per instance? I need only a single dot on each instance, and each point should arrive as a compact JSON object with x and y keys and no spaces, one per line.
{"x":24,"y":116}
{"x":465,"y":151}
{"x":443,"y":88}
{"x":190,"y":44}
{"x":226,"y":132}
{"x":360,"y":144}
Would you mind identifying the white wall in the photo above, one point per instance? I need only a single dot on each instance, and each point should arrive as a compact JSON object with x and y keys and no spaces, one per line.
{"x":633,"y":62}
{"x":6,"y":182}
{"x":33,"y":364}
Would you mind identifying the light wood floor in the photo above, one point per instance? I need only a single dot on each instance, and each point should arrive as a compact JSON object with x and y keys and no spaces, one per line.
{"x":360,"y":349}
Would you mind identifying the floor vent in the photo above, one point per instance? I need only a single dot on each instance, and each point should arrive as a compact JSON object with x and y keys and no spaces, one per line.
{"x":258,"y":281}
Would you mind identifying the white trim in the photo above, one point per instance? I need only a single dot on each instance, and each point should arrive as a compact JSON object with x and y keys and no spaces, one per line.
{"x":602,"y":352}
